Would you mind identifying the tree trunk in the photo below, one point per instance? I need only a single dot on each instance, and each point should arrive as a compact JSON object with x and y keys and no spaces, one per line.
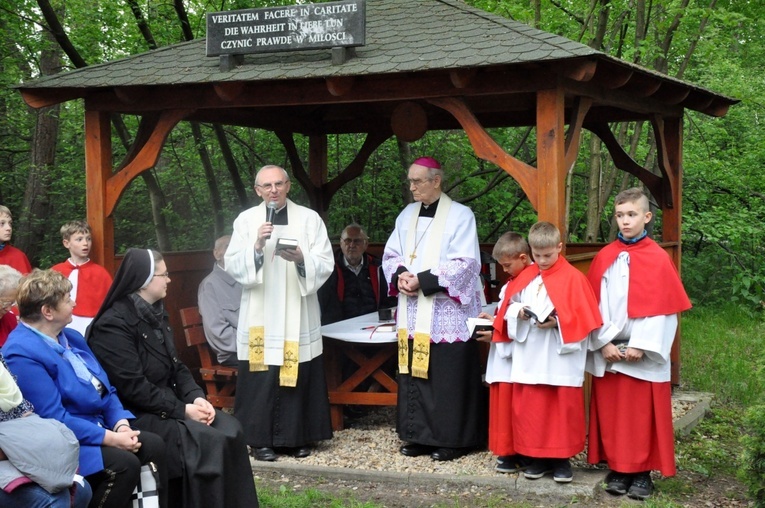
{"x":212,"y":182}
{"x":233,"y":168}
{"x":36,"y":204}
{"x":405,"y":157}
{"x":593,"y":192}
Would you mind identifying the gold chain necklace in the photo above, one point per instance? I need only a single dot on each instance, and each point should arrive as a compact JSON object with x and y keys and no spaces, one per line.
{"x":413,"y":255}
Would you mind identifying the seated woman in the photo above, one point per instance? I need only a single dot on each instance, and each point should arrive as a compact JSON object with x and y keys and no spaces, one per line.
{"x":17,"y":489}
{"x":59,"y":374}
{"x":132,"y":338}
{"x":9,"y":282}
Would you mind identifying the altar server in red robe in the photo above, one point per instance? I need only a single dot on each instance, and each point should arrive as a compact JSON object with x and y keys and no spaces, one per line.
{"x":10,"y":255}
{"x":90,"y":281}
{"x":512,"y":253}
{"x":640,"y":295}
{"x":550,"y":315}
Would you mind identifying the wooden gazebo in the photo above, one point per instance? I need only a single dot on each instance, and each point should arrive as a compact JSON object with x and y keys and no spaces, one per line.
{"x":429,"y":64}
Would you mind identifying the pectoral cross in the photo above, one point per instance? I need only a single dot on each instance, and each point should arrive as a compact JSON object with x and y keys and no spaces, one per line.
{"x":411,"y":257}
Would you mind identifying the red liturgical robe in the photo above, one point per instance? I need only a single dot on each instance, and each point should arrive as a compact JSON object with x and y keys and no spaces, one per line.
{"x":13,"y":257}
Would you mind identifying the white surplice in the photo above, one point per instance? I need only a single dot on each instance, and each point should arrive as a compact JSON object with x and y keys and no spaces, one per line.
{"x":457,"y":271}
{"x":269,"y":285}
{"x":539,"y":355}
{"x":653,"y":334}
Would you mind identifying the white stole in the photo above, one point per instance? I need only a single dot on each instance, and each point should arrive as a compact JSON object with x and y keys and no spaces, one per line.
{"x":274,"y":334}
{"x":431,"y":258}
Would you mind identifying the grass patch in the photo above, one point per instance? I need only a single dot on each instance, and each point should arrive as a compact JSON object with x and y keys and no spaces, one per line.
{"x":285,"y":497}
{"x":712,"y":448}
{"x":719,"y":346}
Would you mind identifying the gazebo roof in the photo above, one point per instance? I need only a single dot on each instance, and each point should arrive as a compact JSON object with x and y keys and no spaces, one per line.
{"x":414,"y":49}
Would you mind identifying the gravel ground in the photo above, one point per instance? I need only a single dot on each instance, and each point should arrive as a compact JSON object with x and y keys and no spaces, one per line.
{"x":369,"y":442}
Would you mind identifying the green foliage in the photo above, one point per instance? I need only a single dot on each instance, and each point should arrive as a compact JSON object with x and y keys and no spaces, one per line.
{"x":723,"y":194}
{"x":752,"y":471}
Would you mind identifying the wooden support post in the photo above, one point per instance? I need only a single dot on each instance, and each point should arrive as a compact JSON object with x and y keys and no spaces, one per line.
{"x":551,"y":159}
{"x":98,"y":169}
{"x":672,"y":217}
{"x":317,"y":171}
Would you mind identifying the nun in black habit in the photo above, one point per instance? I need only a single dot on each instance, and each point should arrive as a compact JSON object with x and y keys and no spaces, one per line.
{"x":132,"y":338}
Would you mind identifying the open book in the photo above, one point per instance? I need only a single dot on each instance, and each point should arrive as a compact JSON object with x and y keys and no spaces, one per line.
{"x":478,"y":325}
{"x":539,"y":315}
{"x":285,"y":244}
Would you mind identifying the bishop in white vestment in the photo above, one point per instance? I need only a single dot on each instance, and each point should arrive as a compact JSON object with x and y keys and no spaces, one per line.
{"x":432,"y":262}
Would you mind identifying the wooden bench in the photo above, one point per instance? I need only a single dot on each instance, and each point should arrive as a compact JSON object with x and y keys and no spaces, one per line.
{"x":219,"y":380}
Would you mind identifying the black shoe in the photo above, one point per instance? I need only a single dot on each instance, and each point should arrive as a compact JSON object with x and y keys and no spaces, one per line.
{"x":642,"y":486}
{"x":263,"y":454}
{"x":444,"y":454}
{"x":538,"y":468}
{"x":301,"y":452}
{"x":618,"y":483}
{"x":415,"y":450}
{"x":562,"y":472}
{"x":512,"y":463}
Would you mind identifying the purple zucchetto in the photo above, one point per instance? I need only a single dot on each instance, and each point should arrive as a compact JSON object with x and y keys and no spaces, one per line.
{"x":428,"y":162}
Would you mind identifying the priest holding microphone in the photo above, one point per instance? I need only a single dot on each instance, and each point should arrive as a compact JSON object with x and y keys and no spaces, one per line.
{"x":281,"y":398}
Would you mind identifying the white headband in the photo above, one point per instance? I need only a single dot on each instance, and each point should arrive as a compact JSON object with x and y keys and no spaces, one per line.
{"x":151,"y":269}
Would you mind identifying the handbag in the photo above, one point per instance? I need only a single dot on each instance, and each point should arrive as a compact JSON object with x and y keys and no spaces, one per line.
{"x":146,"y":493}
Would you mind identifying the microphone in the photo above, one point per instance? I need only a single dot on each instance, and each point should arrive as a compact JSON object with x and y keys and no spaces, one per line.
{"x":270,"y":212}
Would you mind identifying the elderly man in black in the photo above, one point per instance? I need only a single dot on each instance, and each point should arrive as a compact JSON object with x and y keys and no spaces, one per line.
{"x":357,"y":285}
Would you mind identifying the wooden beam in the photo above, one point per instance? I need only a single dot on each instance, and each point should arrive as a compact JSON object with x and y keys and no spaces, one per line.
{"x":577,"y":70}
{"x":131,"y":94}
{"x":318,"y":171}
{"x":340,"y":85}
{"x":461,"y":78}
{"x":672,"y":93}
{"x":664,"y":163}
{"x":98,"y":169}
{"x":551,"y":159}
{"x":144,"y":154}
{"x":43,"y":98}
{"x":229,"y":91}
{"x":399,"y":87}
{"x":409,"y":121}
{"x":638,"y":103}
{"x":356,"y":167}
{"x":574,"y":134}
{"x":486,"y":148}
{"x":613,"y":76}
{"x":623,"y":161}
